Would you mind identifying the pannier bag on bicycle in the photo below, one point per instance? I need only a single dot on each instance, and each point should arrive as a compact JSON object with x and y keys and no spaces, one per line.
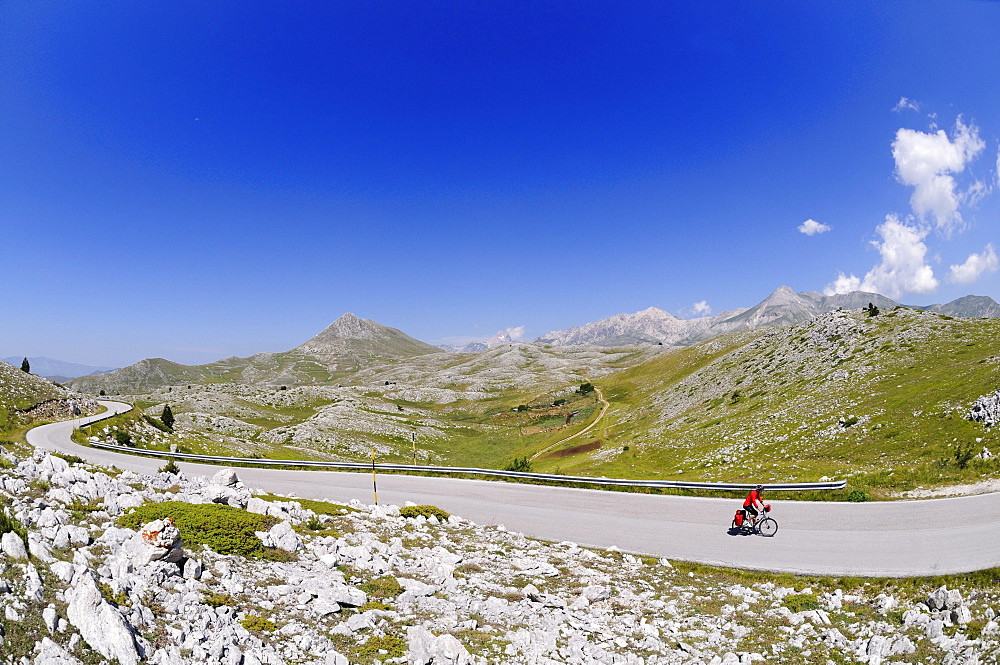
{"x":739,"y":517}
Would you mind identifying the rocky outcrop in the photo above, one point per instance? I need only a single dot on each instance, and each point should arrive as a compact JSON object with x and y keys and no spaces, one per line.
{"x":158,"y":540}
{"x":363,"y":582}
{"x":104,"y":629}
{"x":986,"y":409}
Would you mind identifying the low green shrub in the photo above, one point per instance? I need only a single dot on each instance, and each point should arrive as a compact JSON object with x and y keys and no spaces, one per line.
{"x":254,"y":622}
{"x":857,"y":496}
{"x":225,"y":529}
{"x":800,"y":602}
{"x":170,"y":467}
{"x":216,"y":599}
{"x":119,"y":599}
{"x":522,"y":464}
{"x":158,"y":424}
{"x":386,"y":586}
{"x":425,"y":511}
{"x":395,"y":647}
{"x":71,"y":459}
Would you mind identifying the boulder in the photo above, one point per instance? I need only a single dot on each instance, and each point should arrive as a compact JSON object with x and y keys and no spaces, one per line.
{"x":256,"y":505}
{"x":192,"y":569}
{"x":33,"y":588}
{"x":39,"y":549}
{"x":158,"y":540}
{"x":281,"y":536}
{"x":13,"y":546}
{"x":937,"y":599}
{"x":225,"y":478}
{"x":346,"y":595}
{"x":425,"y":648}
{"x":334,"y":658}
{"x":100,"y":624}
{"x":50,"y":653}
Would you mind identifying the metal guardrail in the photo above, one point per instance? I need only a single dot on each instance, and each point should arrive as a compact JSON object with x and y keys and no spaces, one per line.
{"x":106,"y":416}
{"x":622,"y":482}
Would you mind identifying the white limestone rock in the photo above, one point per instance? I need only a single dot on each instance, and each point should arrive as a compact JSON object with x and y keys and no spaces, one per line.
{"x":50,"y":653}
{"x":426,"y":648}
{"x":103,"y":627}
{"x":192,"y":569}
{"x":225,"y":478}
{"x":158,"y":540}
{"x":39,"y":549}
{"x":33,"y":587}
{"x":284,"y":537}
{"x":13,"y":546}
{"x":346,"y":595}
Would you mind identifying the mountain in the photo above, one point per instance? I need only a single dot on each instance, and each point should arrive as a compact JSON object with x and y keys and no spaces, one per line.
{"x":347,"y":345}
{"x":21,"y":390}
{"x":57,"y":369}
{"x":648,"y":326}
{"x":352,"y":336}
{"x":969,"y":307}
{"x":839,"y":395}
{"x":502,"y":337}
{"x":782,"y":308}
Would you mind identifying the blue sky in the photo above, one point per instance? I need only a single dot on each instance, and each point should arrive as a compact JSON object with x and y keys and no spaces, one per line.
{"x":196,"y":180}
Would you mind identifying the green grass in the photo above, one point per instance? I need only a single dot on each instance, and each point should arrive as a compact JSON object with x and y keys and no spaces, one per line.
{"x":879,"y":403}
{"x":224,"y":529}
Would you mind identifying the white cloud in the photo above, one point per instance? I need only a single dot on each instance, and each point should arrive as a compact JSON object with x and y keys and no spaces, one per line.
{"x":811,"y":227}
{"x":926,"y":162}
{"x":998,"y":167}
{"x":701,"y":308}
{"x":903,"y":268}
{"x":906,"y":104}
{"x":515,"y":333}
{"x":974,"y":266}
{"x":843,"y":284}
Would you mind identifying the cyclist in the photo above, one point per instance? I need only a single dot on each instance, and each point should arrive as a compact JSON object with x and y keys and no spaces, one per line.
{"x":750,"y":503}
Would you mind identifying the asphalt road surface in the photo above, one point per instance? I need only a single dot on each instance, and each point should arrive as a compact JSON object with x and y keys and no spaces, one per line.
{"x":893,"y":539}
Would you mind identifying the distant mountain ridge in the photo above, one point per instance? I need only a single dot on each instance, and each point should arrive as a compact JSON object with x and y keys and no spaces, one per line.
{"x":346,"y":346}
{"x":783,"y":307}
{"x":352,"y":344}
{"x":50,"y":367}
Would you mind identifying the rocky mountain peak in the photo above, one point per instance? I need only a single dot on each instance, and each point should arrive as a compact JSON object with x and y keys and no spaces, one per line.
{"x":352,"y":334}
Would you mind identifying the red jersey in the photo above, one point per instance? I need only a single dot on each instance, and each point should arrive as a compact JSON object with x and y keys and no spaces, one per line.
{"x":753,"y":499}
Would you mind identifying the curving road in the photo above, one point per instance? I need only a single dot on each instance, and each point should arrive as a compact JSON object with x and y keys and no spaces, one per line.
{"x":899,"y":538}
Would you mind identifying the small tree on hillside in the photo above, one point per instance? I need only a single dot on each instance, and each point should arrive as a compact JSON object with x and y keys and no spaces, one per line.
{"x":872,"y":309}
{"x":519,"y":464}
{"x":25,"y":365}
{"x":167,"y":417}
{"x":586,"y":388}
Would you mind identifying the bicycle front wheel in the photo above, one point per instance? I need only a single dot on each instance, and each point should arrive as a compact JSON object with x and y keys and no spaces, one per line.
{"x":767,"y":527}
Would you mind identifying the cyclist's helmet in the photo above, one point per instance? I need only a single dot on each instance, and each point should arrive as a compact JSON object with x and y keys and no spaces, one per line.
{"x":759,"y":488}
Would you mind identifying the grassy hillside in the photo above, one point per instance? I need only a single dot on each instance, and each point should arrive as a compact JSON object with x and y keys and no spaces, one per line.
{"x":881,"y":400}
{"x":347,"y":346}
{"x":21,"y":390}
{"x":454,"y":409}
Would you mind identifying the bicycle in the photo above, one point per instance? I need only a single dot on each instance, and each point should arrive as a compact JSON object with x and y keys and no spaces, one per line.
{"x":766,"y":525}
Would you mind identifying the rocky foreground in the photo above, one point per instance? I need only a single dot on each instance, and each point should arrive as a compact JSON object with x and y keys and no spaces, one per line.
{"x":350,"y":583}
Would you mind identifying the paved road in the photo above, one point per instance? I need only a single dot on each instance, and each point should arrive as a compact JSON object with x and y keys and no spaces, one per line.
{"x":899,"y":538}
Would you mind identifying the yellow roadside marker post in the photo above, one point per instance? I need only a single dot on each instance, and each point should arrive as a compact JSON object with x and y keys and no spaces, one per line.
{"x":374,"y":484}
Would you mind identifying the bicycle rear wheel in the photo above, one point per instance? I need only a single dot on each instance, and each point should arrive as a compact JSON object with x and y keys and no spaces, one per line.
{"x":767,"y":527}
